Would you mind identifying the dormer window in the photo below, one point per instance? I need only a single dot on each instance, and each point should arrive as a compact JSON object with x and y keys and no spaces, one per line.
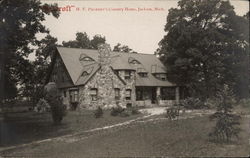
{"x":133,"y":61}
{"x":128,"y":74}
{"x":85,"y":74}
{"x":143,"y":74}
{"x":161,"y":76}
{"x":85,"y":59}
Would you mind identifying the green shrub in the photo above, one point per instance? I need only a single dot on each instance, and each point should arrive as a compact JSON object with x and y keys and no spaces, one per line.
{"x":244,"y":102}
{"x":58,"y":109}
{"x":135,"y":111}
{"x":115,"y":111}
{"x":227,"y":122}
{"x":172,"y":113}
{"x":98,"y":112}
{"x":192,"y":103}
{"x":124,"y":113}
{"x":211,"y":103}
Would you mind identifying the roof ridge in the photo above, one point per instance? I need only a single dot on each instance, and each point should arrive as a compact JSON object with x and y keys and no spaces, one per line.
{"x":111,"y":51}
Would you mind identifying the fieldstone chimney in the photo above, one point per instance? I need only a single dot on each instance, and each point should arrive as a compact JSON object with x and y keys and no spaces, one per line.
{"x":104,"y":57}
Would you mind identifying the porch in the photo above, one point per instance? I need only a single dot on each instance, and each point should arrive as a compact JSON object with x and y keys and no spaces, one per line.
{"x":157,"y":96}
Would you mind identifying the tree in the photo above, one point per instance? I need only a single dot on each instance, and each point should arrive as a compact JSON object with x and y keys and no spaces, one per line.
{"x":227,"y":124}
{"x":20,"y":21}
{"x":32,"y":88}
{"x":204,"y":44}
{"x":125,"y":49}
{"x":82,"y":41}
{"x":96,"y":41}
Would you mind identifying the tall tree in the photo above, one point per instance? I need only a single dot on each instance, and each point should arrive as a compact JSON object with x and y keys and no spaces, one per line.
{"x":123,"y":48}
{"x":83,"y":41}
{"x":20,"y":21}
{"x":32,"y":88}
{"x":204,"y":44}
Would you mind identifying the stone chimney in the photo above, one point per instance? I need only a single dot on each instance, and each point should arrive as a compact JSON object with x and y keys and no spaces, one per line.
{"x":104,"y":57}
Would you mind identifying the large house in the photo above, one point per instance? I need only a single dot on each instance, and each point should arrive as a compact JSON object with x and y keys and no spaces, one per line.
{"x":103,"y":78}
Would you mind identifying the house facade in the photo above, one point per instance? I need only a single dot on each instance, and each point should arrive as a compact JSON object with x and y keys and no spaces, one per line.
{"x":93,"y":78}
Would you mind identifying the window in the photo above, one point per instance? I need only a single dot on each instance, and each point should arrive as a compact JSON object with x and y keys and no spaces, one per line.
{"x":84,"y":57}
{"x":161,"y":76}
{"x":128,"y":94}
{"x":143,"y":74}
{"x":139,"y":94}
{"x":117,"y":93}
{"x":87,"y":59}
{"x":132,"y":60}
{"x":127,"y":74}
{"x":93,"y":94}
{"x":135,"y":62}
{"x":153,"y":68}
{"x":73,"y":96}
{"x":168,"y":93}
{"x":84,"y":74}
{"x":65,"y":94}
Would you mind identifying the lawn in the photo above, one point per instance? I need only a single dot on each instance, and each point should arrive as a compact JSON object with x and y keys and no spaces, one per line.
{"x":25,"y":127}
{"x":185,"y":138}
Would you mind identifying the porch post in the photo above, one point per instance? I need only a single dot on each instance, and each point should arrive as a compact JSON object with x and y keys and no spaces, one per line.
{"x":177,"y":95}
{"x":158,"y":94}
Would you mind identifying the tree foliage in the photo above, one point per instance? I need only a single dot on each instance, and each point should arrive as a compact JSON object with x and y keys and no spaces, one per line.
{"x":83,"y":41}
{"x":32,"y":88}
{"x":20,"y":21}
{"x":206,"y":45}
{"x":123,"y":48}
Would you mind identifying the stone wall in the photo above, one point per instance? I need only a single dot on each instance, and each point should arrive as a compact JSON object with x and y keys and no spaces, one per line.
{"x":105,"y":81}
{"x":130,"y":84}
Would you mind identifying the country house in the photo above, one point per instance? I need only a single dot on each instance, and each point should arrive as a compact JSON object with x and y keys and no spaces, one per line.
{"x":104,"y":78}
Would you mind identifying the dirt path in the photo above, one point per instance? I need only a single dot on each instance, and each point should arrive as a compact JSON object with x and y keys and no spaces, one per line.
{"x":149,"y":113}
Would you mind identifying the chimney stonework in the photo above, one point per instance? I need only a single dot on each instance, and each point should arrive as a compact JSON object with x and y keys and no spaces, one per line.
{"x":104,"y":57}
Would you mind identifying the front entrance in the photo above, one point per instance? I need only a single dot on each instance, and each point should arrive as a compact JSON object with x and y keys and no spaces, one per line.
{"x":153,"y":97}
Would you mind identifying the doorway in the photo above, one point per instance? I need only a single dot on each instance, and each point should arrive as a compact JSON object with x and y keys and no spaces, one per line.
{"x":153,"y":97}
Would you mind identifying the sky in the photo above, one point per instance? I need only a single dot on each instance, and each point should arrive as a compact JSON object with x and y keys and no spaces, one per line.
{"x":119,"y":21}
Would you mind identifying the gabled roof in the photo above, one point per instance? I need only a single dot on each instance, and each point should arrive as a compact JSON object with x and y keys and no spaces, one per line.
{"x":119,"y":63}
{"x":70,"y":57}
{"x":90,"y":70}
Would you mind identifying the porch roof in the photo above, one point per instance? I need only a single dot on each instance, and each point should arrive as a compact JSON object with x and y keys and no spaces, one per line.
{"x":151,"y":81}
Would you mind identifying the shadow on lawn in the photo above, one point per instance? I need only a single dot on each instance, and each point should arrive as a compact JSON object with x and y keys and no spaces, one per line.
{"x":19,"y":128}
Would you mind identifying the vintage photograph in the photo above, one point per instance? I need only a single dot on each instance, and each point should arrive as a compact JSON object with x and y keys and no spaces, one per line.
{"x":142,"y":78}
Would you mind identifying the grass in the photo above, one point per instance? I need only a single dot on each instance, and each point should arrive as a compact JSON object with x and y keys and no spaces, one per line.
{"x":185,"y":138}
{"x":19,"y":128}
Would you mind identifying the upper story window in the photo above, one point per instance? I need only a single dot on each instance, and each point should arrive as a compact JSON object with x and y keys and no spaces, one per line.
{"x":93,"y":94}
{"x":161,"y":76}
{"x":117,"y":93}
{"x":128,"y":74}
{"x":84,"y":59}
{"x":153,"y":69}
{"x":132,"y":60}
{"x":143,"y":74}
{"x":85,"y":74}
